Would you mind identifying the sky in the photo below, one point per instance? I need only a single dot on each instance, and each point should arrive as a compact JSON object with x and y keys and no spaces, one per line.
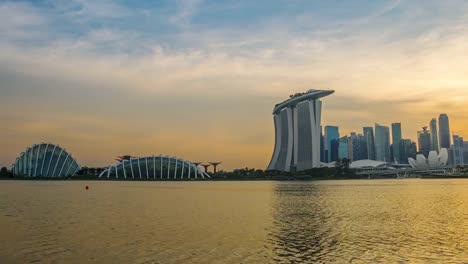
{"x":198,"y":79}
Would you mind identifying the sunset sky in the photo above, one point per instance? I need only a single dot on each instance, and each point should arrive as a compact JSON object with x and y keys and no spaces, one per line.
{"x":199,"y":79}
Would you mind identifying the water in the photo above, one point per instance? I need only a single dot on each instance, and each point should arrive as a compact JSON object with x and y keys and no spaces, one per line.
{"x":361,"y":221}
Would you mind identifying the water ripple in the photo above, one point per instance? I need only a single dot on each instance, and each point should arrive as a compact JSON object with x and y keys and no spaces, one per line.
{"x":406,"y":221}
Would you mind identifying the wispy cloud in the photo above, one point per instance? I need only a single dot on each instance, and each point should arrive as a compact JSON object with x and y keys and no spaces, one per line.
{"x":395,"y":58}
{"x":20,"y":21}
{"x":186,"y":9}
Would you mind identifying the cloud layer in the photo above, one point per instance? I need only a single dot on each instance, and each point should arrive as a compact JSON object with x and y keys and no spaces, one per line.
{"x":198,"y":79}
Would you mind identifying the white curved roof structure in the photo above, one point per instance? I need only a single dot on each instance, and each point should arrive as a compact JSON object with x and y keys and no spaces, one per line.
{"x":154,"y":167}
{"x":45,"y":160}
{"x":421,"y":161}
{"x":412,"y":162}
{"x":359,"y":164}
{"x":443,"y":156}
{"x":433,"y":159}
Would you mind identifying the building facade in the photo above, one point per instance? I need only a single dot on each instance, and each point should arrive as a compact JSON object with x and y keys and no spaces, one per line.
{"x":382,"y":143}
{"x":343,"y":148}
{"x":408,"y":150}
{"x":370,"y":142}
{"x":424,"y":142}
{"x":434,"y":134}
{"x":322,"y":147}
{"x":332,"y":137}
{"x":444,"y":131}
{"x":465,"y":152}
{"x":358,"y":147}
{"x":297,"y":132}
{"x":458,"y":150}
{"x":396,"y":139}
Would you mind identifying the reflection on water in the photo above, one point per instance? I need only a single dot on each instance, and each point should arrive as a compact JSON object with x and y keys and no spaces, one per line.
{"x":301,"y":233}
{"x":371,"y":221}
{"x":386,"y":221}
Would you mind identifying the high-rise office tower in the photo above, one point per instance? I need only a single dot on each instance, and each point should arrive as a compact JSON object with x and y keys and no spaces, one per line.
{"x":458,"y":150}
{"x":382,"y":143}
{"x":322,"y":147}
{"x":424,"y":142}
{"x":370,"y":143}
{"x":363,"y":147}
{"x":358,"y":147}
{"x":465,"y":152}
{"x":332,"y":137}
{"x":396,"y":139}
{"x":406,"y":147}
{"x":444,"y":131}
{"x":343,"y":148}
{"x":434,"y":134}
{"x":413,"y":150}
{"x":297,"y":131}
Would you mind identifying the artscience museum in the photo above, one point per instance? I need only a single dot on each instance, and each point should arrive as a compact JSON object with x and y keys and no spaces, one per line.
{"x":433,"y":161}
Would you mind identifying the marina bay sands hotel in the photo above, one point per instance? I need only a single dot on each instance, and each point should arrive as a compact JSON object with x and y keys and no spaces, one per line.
{"x":297,"y":131}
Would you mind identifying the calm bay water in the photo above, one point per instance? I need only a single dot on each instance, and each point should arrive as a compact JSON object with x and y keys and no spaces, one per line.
{"x":361,"y":221}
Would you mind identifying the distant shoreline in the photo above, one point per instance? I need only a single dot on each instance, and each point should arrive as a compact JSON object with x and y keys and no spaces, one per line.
{"x":232,"y":179}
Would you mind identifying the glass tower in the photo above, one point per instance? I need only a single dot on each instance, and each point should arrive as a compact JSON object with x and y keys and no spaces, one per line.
{"x":396,"y":139}
{"x":424,"y":142}
{"x":444,"y":131}
{"x":434,"y":134}
{"x":370,"y":142}
{"x":343,"y":148}
{"x":332,"y":137}
{"x":458,"y":150}
{"x":382,"y":143}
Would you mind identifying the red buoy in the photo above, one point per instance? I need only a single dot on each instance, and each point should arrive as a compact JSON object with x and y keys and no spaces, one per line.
{"x":87,"y":187}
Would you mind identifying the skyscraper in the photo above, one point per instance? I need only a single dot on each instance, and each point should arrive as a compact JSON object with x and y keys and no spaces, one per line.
{"x":444,"y":131}
{"x":408,"y":150}
{"x":358,"y":147}
{"x":322,"y":147}
{"x":382,"y":143}
{"x":332,"y":136}
{"x":434,"y":134}
{"x":297,"y":131}
{"x":465,"y":152}
{"x":396,"y":139}
{"x":370,"y":143}
{"x":424,"y":142}
{"x":458,"y":150}
{"x":343,"y":148}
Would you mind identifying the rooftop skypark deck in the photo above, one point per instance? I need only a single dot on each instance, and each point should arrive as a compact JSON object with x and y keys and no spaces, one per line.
{"x":299,"y":97}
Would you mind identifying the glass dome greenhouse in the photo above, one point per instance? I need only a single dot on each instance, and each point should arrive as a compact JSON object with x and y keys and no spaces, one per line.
{"x":154,"y":168}
{"x":45,"y":160}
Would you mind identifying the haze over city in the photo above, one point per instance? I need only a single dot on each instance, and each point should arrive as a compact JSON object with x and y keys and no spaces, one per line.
{"x":199,"y":79}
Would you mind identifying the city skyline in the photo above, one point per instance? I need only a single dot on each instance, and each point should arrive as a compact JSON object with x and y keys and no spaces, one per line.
{"x":356,"y":146}
{"x":112,"y":78}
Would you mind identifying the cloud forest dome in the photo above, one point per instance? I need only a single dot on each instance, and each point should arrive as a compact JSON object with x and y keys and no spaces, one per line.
{"x":45,"y":160}
{"x":154,"y":168}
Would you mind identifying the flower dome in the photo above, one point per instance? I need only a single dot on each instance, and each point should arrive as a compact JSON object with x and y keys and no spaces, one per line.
{"x":45,"y":160}
{"x":153,"y":168}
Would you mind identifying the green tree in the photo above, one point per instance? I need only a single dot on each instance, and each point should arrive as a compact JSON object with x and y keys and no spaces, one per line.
{"x":4,"y":173}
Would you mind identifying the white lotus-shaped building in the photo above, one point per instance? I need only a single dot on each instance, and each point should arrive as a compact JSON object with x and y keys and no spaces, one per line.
{"x":433,"y":161}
